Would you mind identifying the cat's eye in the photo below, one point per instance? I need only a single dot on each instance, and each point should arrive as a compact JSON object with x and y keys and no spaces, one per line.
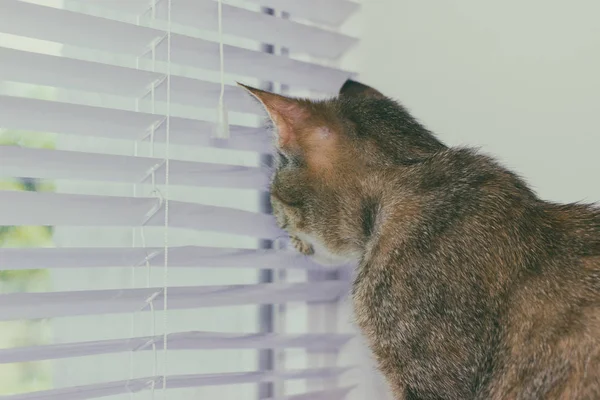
{"x":283,"y":159}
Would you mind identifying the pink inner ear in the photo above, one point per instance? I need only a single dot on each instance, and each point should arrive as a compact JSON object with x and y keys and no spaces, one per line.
{"x":286,"y":114}
{"x":285,"y":133}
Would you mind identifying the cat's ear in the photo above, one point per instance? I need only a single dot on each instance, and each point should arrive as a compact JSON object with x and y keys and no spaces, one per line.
{"x":285,"y":112}
{"x":352,"y":88}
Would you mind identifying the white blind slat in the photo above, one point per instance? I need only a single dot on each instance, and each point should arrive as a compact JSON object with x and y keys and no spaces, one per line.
{"x":51,"y":70}
{"x":60,"y":164}
{"x":328,"y":12}
{"x":265,"y":28}
{"x":173,"y":382}
{"x":14,"y":306}
{"x":21,"y":18}
{"x":54,"y":209}
{"x":76,"y":119}
{"x":331,"y":394}
{"x":242,"y":22}
{"x":180,"y":256}
{"x":177,"y":341}
{"x":190,"y":51}
{"x":76,"y":74}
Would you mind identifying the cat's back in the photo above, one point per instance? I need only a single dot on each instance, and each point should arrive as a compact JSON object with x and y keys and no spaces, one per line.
{"x":521,"y":276}
{"x":551,"y":335}
{"x":581,"y":224}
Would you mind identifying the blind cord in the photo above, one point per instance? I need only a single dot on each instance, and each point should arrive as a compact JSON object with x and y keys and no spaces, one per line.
{"x":156,"y":192}
{"x":222,"y":125}
{"x":133,"y":277}
{"x":166,"y":199}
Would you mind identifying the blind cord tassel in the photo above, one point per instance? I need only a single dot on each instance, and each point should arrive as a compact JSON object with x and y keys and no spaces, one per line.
{"x":222,"y":123}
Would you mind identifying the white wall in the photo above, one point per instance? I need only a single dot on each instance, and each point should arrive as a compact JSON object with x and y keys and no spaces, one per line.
{"x":519,"y":78}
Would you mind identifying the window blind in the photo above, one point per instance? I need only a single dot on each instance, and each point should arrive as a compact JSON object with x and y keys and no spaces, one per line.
{"x":164,"y":274}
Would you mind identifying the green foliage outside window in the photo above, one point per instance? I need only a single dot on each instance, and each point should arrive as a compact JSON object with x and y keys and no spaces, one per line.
{"x":29,"y":376}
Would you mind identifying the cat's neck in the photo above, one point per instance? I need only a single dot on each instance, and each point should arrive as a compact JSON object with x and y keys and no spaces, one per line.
{"x":456,"y":195}
{"x":388,"y":211}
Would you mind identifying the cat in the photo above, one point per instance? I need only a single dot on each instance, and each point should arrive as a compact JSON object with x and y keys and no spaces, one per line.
{"x":468,"y":285}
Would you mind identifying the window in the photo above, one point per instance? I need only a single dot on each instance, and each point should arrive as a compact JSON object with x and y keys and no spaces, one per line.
{"x":122,"y":197}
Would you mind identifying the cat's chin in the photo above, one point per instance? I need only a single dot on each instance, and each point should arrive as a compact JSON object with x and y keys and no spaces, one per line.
{"x":327,"y":260}
{"x":322,"y":256}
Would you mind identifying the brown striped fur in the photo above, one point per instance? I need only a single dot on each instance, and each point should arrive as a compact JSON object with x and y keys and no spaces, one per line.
{"x":468,"y":285}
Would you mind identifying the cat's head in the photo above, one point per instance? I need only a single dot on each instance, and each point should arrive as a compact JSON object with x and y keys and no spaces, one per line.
{"x":324,"y":149}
